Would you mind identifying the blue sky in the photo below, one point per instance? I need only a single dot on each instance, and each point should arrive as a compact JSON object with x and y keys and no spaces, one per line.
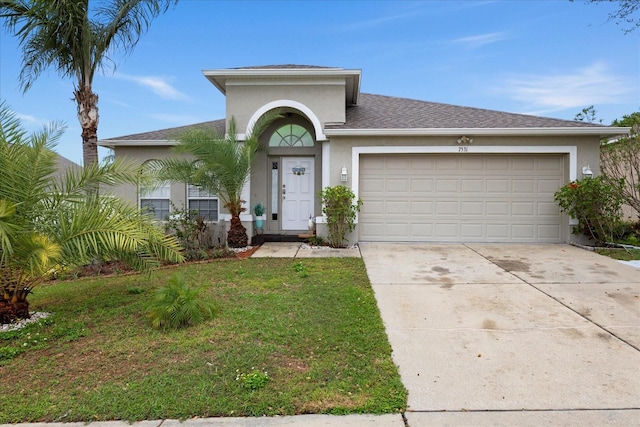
{"x":548,"y":58}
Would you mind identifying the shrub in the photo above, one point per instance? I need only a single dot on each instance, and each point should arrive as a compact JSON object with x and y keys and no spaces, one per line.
{"x":178,"y":305}
{"x":340,"y":210}
{"x":191,"y":231}
{"x":315,"y":240}
{"x":596,"y":203}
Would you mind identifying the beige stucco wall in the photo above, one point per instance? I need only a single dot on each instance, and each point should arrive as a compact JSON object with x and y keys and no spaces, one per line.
{"x":324,"y":97}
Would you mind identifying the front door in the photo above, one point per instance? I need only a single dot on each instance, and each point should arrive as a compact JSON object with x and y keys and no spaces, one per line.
{"x":297,"y":192}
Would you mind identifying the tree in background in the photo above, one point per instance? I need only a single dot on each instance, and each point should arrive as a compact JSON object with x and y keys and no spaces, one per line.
{"x":75,"y":39}
{"x":219,"y":164}
{"x":626,"y":13}
{"x":588,"y":114}
{"x":620,"y":159}
{"x":46,"y":224}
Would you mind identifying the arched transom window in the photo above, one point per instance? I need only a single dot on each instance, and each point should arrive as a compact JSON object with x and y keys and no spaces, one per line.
{"x":291,"y":136}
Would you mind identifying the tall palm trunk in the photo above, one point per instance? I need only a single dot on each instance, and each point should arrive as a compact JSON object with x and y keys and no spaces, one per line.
{"x":87,"y":103}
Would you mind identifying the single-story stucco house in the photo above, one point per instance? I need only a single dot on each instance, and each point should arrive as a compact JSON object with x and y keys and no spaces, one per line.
{"x":425,"y":171}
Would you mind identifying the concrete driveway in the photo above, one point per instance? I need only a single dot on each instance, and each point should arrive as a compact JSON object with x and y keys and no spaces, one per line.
{"x":496,"y":334}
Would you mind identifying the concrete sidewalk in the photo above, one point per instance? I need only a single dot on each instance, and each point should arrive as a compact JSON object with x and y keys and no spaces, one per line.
{"x":288,"y":421}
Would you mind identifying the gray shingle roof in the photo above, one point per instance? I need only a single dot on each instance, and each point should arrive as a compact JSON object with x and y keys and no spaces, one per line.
{"x":388,"y":112}
{"x":170,"y":133}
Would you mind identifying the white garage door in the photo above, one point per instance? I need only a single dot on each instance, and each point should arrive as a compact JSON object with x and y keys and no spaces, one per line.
{"x":460,"y":198}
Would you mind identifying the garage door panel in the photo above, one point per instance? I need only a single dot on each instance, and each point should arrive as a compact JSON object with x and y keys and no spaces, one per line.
{"x":437,"y":197}
{"x":472,"y":208}
{"x":550,"y":231}
{"x":397,"y":207}
{"x":447,"y":230}
{"x":548,"y":186}
{"x":523,"y":208}
{"x":397,"y":185}
{"x":419,"y":185}
{"x":421,"y":208}
{"x":523,"y":186}
{"x":548,"y":209}
{"x":472,"y":231}
{"x":523,"y":231}
{"x":472,"y":185}
{"x":447,"y":186}
{"x":370,"y":186}
{"x":498,"y":186}
{"x":497,"y":208}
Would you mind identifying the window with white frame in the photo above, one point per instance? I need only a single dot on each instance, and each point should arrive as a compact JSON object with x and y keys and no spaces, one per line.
{"x":291,"y":135}
{"x":156,"y":200}
{"x":202,"y":202}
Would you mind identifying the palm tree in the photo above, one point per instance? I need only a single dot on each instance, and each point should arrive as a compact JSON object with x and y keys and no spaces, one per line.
{"x":74,"y":39}
{"x":47,"y":225}
{"x":219,"y":164}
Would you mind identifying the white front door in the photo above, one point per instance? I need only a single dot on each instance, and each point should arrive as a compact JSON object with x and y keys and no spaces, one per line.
{"x":297,"y":192}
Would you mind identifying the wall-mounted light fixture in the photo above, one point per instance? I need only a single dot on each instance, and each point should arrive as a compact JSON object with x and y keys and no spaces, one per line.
{"x":298,"y":170}
{"x":586,"y":172}
{"x":343,"y":174}
{"x":465,"y":140}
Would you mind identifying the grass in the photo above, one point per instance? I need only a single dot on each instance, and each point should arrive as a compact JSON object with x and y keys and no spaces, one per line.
{"x":290,"y":337}
{"x":620,"y":254}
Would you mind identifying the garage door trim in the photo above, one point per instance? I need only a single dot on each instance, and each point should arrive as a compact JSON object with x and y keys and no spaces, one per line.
{"x":571,"y":150}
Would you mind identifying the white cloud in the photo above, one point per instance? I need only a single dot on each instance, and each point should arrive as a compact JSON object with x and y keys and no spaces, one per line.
{"x":31,"y":120}
{"x":481,"y":39}
{"x":591,"y":85}
{"x":158,"y":85}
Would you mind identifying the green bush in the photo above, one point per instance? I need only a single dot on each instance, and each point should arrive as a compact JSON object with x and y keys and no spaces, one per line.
{"x":596,"y":203}
{"x":178,"y":305}
{"x":191,"y":231}
{"x":340,"y":210}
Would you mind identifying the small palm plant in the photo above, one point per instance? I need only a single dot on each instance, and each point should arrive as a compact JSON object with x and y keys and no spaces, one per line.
{"x":48,"y":222}
{"x":178,"y":305}
{"x":220,"y":164}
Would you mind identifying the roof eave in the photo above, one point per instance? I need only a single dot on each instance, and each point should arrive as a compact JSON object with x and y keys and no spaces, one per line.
{"x":600,"y":131}
{"x":112,"y":143}
{"x":219,"y":77}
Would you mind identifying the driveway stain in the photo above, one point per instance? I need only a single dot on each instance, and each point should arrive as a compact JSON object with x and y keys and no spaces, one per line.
{"x":627,"y":300}
{"x":489,"y":324}
{"x":572,"y":332}
{"x":512,"y":265}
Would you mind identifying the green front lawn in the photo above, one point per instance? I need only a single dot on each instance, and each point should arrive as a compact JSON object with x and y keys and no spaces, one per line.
{"x":313,"y":326}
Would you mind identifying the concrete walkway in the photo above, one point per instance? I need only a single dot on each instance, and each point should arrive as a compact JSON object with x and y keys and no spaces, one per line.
{"x":298,"y":250}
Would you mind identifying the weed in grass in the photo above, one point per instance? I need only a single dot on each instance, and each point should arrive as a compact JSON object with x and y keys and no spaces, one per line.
{"x":254,"y":380}
{"x":299,"y":268}
{"x":70,"y":332}
{"x":135,"y":290}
